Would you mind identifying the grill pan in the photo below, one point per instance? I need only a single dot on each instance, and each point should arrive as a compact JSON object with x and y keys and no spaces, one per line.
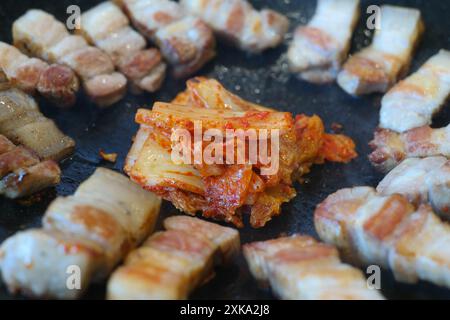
{"x":262,"y":79}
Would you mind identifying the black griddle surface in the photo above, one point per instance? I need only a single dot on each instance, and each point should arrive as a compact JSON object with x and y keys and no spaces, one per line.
{"x":263,"y":79}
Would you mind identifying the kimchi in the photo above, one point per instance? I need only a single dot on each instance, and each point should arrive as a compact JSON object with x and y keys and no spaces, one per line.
{"x":212,"y":152}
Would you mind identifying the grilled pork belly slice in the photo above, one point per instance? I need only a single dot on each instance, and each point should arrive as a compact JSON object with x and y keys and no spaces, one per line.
{"x":186,"y":42}
{"x":324,"y":278}
{"x":134,"y":210}
{"x":226,"y":239}
{"x":379,"y":66}
{"x":420,"y":252}
{"x":21,"y":71}
{"x":26,"y":181}
{"x":388,"y":231}
{"x":330,"y":217}
{"x":390,"y":148}
{"x":40,"y":34}
{"x":90,"y":62}
{"x":299,"y":267}
{"x":22,"y":173}
{"x":107,"y":27}
{"x":172,"y":263}
{"x":421,"y":181}
{"x":413,"y":102}
{"x":106,"y":89}
{"x":106,"y":218}
{"x":141,"y":207}
{"x":355,"y":217}
{"x":319,"y":48}
{"x":56,"y":82}
{"x":198,"y":250}
{"x":238,"y":22}
{"x":78,"y":219}
{"x":409,"y":177}
{"x":144,"y":281}
{"x":45,"y":139}
{"x":23,"y":123}
{"x":256,"y":253}
{"x":36,"y":263}
{"x":59,"y":84}
{"x":169,"y":265}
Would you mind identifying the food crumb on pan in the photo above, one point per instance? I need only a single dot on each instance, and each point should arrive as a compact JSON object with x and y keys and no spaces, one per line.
{"x":337,"y":127}
{"x":111,"y":157}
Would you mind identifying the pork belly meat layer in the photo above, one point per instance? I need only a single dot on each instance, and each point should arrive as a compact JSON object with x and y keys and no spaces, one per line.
{"x":56,"y":82}
{"x":390,"y":148}
{"x":300,"y":268}
{"x":94,"y":229}
{"x":40,"y":34}
{"x":320,"y":47}
{"x":171,"y":264}
{"x":413,"y":102}
{"x":388,"y":231}
{"x":241,"y":24}
{"x":108,"y":28}
{"x":378,"y":67}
